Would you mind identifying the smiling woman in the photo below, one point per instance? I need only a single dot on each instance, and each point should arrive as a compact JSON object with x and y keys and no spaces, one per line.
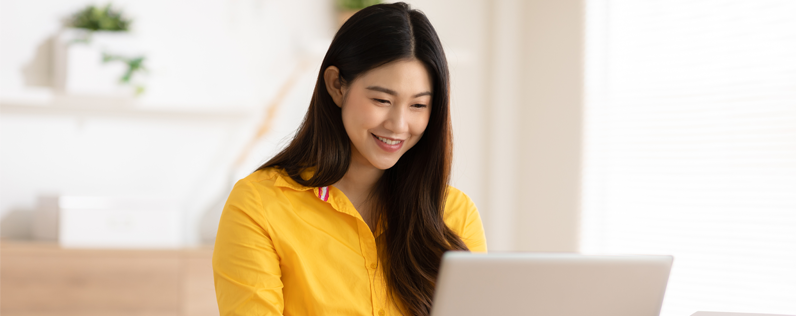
{"x":354,"y":215}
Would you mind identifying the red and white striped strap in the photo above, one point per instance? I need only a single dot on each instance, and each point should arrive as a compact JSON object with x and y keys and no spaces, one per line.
{"x":323,"y":193}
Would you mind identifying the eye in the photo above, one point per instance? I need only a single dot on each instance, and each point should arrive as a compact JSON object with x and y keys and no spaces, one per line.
{"x":419,"y":105}
{"x":382,"y":101}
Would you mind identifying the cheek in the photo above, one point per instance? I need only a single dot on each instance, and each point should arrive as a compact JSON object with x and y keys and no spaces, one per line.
{"x":358,"y":116}
{"x":419,"y":126}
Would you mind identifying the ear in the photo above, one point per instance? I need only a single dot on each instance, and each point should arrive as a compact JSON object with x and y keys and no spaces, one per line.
{"x":333,"y":85}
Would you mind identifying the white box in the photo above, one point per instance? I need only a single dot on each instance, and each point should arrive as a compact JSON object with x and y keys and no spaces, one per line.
{"x":78,"y":68}
{"x":119,"y":222}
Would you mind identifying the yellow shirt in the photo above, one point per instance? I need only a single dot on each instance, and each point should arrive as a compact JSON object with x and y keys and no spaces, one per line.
{"x":283,"y":248}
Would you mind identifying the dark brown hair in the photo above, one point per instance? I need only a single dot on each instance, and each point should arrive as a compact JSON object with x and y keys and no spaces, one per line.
{"x":410,"y":196}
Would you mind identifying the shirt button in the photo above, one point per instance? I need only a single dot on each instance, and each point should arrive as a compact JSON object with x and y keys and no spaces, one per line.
{"x":381,"y":312}
{"x":373,"y":266}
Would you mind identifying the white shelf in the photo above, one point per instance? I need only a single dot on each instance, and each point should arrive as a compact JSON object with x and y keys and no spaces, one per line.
{"x":110,"y":107}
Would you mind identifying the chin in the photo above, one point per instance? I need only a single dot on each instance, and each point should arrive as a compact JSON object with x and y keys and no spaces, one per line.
{"x":384,"y":165}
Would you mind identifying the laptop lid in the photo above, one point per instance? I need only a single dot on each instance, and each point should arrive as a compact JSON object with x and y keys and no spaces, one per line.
{"x":550,"y":284}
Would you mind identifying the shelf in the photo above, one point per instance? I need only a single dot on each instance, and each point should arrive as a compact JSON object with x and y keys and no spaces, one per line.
{"x":110,"y":107}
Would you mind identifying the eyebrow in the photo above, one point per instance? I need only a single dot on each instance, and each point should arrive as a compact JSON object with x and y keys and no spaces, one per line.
{"x":392,"y":92}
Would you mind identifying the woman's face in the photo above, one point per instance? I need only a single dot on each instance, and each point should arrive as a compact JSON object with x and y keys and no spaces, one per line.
{"x":385,"y":111}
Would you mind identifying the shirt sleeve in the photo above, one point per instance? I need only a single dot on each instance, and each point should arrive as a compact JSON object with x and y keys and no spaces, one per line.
{"x":473,"y":231}
{"x":462,"y":216}
{"x":245,"y":264}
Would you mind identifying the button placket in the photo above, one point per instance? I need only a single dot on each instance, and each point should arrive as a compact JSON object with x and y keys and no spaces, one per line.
{"x":367,"y":242}
{"x":379,"y":291}
{"x":368,"y":246}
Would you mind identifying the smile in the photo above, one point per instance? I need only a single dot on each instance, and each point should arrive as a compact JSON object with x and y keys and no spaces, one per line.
{"x":389,"y":141}
{"x":388,"y":145}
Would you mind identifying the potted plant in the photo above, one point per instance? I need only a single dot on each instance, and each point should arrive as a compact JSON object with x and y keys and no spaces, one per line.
{"x":95,"y":54}
{"x":93,"y":19}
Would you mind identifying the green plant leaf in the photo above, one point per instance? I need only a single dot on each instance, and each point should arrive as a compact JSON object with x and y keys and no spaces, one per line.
{"x":100,"y":19}
{"x":134,"y":65}
{"x":356,"y":4}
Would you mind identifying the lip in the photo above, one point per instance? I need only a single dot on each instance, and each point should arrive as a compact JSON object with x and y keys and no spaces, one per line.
{"x":387,"y":147}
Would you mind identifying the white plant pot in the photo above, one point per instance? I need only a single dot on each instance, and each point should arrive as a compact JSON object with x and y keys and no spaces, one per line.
{"x":80,"y":70}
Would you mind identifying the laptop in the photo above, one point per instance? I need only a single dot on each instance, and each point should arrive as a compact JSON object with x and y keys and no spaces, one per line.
{"x":550,"y":284}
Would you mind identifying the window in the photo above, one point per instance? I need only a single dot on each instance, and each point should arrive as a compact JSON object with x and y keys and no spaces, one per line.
{"x":690,"y":147}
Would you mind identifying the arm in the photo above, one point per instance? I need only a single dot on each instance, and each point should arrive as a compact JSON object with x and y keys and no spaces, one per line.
{"x":245,"y":264}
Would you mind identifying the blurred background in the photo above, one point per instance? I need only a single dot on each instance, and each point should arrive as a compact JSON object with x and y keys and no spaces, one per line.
{"x":593,"y":126}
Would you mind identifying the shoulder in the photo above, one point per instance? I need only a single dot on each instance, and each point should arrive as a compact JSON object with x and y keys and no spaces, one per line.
{"x":461,"y":215}
{"x":456,"y":201}
{"x":258,"y":192}
{"x":262,"y":182}
{"x":458,"y":206}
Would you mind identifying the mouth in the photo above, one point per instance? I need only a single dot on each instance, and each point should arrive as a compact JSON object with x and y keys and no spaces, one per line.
{"x":388,"y":141}
{"x":388,"y":144}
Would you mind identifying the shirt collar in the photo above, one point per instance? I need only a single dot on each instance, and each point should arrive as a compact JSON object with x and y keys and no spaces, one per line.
{"x":337,"y":200}
{"x":285,"y":181}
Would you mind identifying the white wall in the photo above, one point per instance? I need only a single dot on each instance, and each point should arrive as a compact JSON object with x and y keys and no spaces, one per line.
{"x":551,"y":118}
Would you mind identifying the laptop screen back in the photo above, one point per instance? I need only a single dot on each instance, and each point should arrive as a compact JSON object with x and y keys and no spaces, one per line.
{"x":550,"y":284}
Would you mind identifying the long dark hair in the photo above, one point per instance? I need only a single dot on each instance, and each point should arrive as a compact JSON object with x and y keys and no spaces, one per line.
{"x":410,"y":197}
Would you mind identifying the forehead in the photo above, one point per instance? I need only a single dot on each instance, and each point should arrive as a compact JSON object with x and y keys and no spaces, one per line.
{"x":407,"y":77}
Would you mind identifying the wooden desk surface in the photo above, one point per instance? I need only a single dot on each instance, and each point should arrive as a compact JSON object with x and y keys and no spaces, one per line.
{"x":43,"y":279}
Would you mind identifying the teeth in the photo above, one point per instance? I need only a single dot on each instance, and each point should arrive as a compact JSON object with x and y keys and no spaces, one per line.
{"x":388,"y":142}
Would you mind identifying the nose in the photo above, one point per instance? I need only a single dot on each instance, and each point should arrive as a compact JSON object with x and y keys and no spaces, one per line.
{"x":397,"y":120}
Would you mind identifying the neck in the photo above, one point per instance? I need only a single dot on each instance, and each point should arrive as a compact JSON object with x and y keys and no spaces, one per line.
{"x":358,"y":183}
{"x":360,"y":178}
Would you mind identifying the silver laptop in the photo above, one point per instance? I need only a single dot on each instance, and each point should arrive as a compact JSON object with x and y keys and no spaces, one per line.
{"x":550,"y":284}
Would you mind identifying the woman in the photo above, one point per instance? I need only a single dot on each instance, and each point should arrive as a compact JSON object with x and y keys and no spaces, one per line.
{"x":353,"y":216}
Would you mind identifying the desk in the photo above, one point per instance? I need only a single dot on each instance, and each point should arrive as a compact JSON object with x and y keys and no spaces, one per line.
{"x":43,"y":279}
